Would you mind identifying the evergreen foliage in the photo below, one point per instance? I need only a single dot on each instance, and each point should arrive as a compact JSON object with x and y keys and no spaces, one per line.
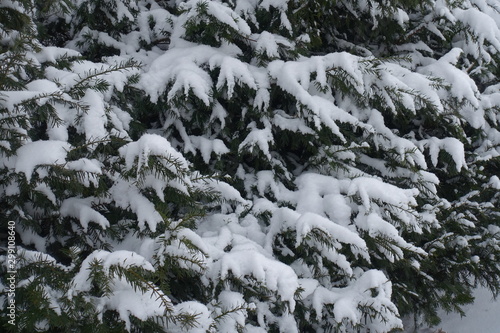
{"x":248,"y":166}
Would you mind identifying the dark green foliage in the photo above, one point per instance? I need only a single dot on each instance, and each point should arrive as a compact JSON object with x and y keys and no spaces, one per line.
{"x":262,"y":164}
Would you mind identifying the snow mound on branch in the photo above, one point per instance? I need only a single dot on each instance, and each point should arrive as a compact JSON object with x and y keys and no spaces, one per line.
{"x":82,"y":210}
{"x":483,"y":27}
{"x":275,"y":275}
{"x":372,"y":288}
{"x":124,"y":297}
{"x":387,"y":138}
{"x":370,"y":189}
{"x":261,"y":138}
{"x":37,"y":153}
{"x":232,"y":300}
{"x":183,"y":70}
{"x":94,"y":120}
{"x":123,"y":258}
{"x":295,"y":78}
{"x":461,"y":85}
{"x":52,"y":54}
{"x":203,"y":315}
{"x":127,"y":301}
{"x":128,"y":196}
{"x":268,"y":43}
{"x":309,"y":221}
{"x":151,"y":145}
{"x":450,"y":145}
{"x":208,"y":146}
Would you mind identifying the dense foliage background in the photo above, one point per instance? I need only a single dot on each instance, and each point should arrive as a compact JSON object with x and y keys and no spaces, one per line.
{"x":248,"y":166}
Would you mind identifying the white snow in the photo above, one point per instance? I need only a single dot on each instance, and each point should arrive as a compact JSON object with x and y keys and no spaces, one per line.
{"x":260,"y":138}
{"x":461,"y":85}
{"x":266,"y":43}
{"x":127,"y":301}
{"x":482,"y":25}
{"x":43,"y":188}
{"x":295,"y":78}
{"x":203,"y":317}
{"x":181,"y":66}
{"x":208,"y":146}
{"x":151,"y":145}
{"x":284,"y":121}
{"x":124,"y":298}
{"x":244,"y":234}
{"x":451,"y":145}
{"x":481,"y":316}
{"x":232,"y":300}
{"x":82,"y":210}
{"x":347,"y":300}
{"x":231,"y":71}
{"x":37,"y":153}
{"x":91,"y":169}
{"x":274,"y":274}
{"x":94,"y":120}
{"x":494,"y":182}
{"x":52,"y":54}
{"x":309,"y":221}
{"x":128,"y":196}
{"x":377,"y":226}
{"x":374,"y":189}
{"x":226,"y":191}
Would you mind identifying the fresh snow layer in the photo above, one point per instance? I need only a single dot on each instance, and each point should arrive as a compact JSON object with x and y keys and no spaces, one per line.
{"x":483,"y":316}
{"x":37,"y":153}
